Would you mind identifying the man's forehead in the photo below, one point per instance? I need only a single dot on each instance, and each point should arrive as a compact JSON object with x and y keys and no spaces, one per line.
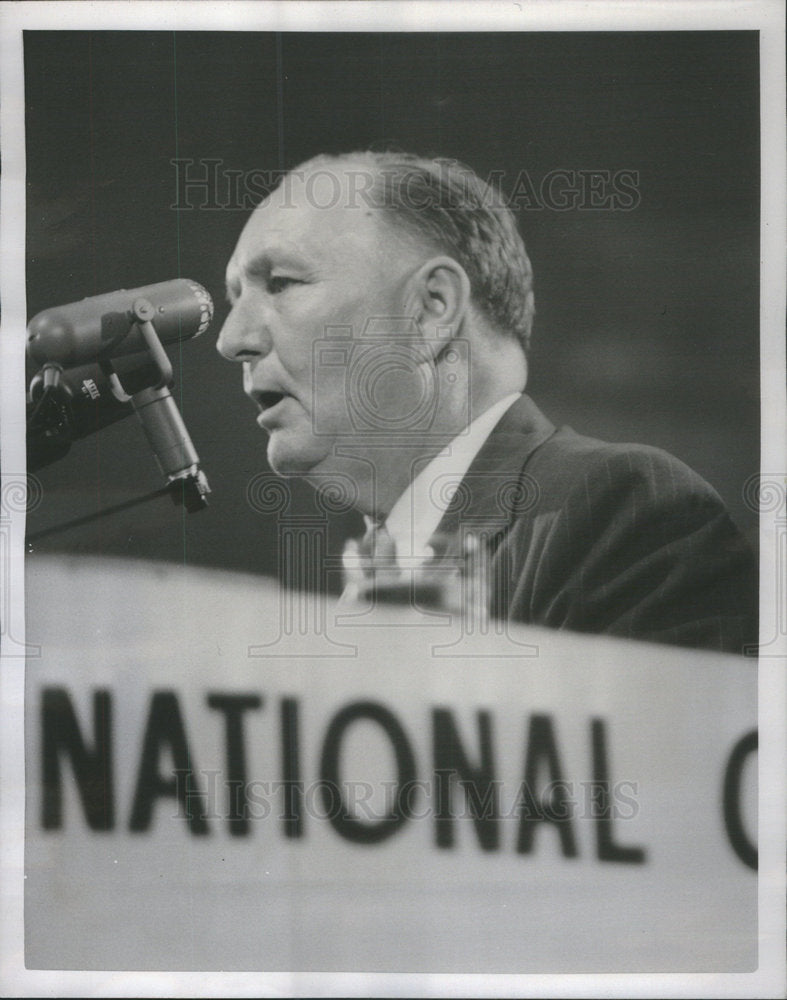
{"x":314,"y":215}
{"x":306,"y":233}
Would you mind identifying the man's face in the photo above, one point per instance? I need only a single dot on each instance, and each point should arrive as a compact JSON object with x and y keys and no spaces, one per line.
{"x":299,"y":272}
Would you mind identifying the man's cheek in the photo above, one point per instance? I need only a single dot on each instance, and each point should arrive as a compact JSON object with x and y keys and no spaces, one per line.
{"x":329,"y":395}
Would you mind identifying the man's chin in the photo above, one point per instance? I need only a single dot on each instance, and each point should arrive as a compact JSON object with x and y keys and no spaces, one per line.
{"x":293,"y":458}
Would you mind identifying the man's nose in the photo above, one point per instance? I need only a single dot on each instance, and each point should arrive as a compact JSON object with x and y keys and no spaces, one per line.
{"x":243,"y":336}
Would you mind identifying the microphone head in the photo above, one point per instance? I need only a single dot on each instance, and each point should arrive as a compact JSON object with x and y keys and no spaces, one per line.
{"x":104,"y":326}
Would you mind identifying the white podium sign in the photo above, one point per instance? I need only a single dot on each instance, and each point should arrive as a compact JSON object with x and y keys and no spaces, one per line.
{"x":221,"y":776}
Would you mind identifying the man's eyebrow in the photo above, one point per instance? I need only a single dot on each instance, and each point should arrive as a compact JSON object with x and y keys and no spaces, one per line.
{"x":263,"y":262}
{"x":231,"y":281}
{"x":260,"y":265}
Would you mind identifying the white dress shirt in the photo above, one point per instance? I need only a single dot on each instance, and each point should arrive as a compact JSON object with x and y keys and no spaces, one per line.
{"x":418,"y":511}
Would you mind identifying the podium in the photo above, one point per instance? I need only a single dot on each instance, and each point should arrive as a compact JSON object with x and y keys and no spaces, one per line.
{"x":206,"y":793}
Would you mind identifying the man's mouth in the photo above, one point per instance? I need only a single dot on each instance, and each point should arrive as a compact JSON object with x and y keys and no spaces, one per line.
{"x":265,"y":400}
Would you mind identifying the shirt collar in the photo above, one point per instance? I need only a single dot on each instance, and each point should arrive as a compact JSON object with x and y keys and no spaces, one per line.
{"x":418,"y":511}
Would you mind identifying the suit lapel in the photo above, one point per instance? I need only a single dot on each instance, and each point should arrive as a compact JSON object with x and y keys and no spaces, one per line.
{"x":494,"y":489}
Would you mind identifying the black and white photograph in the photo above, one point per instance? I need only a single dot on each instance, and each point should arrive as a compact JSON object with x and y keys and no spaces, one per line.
{"x":394,"y":499}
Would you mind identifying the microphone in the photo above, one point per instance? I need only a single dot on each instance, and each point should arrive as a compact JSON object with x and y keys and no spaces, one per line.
{"x":82,"y":404}
{"x":80,"y":401}
{"x":106,"y":326}
{"x":170,"y":443}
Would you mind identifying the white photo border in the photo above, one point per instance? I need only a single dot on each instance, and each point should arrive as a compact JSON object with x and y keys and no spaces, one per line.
{"x":765,"y":16}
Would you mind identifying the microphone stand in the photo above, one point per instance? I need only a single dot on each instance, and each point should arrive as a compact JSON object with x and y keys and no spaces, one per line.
{"x":161,"y":419}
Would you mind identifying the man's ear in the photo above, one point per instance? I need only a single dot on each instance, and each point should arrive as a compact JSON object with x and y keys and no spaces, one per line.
{"x":440,"y":292}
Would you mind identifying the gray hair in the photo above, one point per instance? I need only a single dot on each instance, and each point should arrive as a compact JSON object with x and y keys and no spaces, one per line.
{"x":447,"y":204}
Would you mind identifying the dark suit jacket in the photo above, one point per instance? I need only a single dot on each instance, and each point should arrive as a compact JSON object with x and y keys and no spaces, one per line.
{"x":608,"y":538}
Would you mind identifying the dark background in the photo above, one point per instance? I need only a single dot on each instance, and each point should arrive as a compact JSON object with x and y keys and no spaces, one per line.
{"x":647,"y":320}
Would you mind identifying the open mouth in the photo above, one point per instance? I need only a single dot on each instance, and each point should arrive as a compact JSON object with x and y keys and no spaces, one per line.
{"x":265,"y":400}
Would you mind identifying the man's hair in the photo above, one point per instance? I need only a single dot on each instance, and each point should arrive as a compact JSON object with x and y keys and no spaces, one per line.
{"x":446,"y":204}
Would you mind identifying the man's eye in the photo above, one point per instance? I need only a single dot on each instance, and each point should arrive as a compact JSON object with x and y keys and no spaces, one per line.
{"x":278,"y":282}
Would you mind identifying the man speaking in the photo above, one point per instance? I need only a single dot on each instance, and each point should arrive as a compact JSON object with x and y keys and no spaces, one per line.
{"x":382,"y":307}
